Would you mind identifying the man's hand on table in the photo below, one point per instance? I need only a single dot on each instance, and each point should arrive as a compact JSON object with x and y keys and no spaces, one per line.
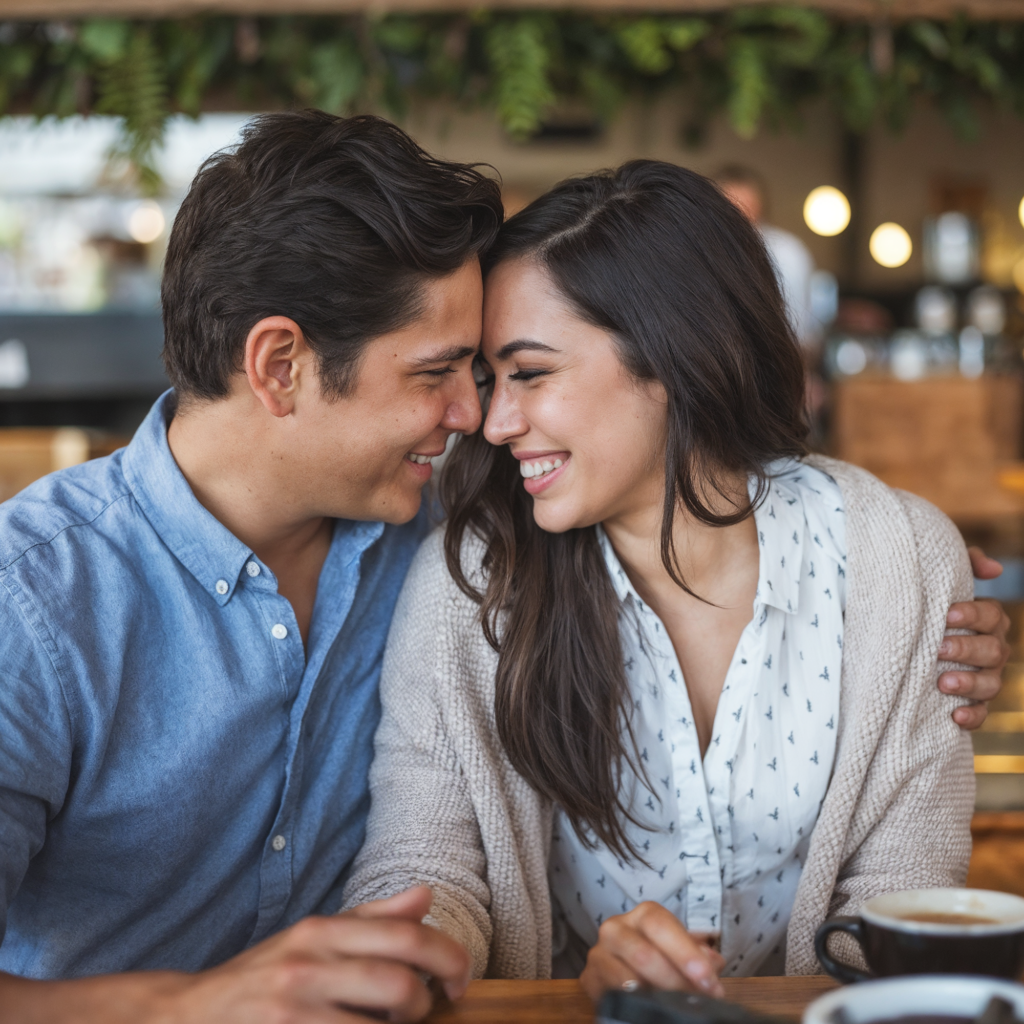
{"x":323,"y":969}
{"x":649,"y":946}
{"x":987,"y":651}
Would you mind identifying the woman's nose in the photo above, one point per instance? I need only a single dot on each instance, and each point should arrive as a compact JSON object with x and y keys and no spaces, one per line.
{"x":505,"y":419}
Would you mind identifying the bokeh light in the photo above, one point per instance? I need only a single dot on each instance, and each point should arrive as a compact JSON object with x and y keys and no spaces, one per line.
{"x":1018,"y":275}
{"x":826,"y":211}
{"x":890,"y":245}
{"x":146,"y":222}
{"x":1020,"y":212}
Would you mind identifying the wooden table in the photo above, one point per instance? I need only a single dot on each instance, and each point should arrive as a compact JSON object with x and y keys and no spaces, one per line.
{"x":562,"y":1002}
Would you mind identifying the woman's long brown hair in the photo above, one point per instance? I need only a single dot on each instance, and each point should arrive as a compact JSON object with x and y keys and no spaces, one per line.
{"x":658,"y":257}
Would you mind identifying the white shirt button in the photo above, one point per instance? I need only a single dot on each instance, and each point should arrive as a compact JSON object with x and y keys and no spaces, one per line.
{"x":279,"y":632}
{"x":252,"y":568}
{"x":279,"y":843}
{"x":221,"y":586}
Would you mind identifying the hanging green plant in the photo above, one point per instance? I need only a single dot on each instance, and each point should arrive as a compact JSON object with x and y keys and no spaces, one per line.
{"x":760,"y":65}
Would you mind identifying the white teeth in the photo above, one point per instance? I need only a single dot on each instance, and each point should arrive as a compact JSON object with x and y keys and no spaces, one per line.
{"x":530,"y":470}
{"x":422,"y":460}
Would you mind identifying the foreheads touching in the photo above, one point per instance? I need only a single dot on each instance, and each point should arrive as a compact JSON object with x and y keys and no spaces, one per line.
{"x":635,"y":332}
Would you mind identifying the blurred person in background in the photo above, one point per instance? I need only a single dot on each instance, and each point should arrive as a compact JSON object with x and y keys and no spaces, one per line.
{"x":794,"y":267}
{"x":793,"y":261}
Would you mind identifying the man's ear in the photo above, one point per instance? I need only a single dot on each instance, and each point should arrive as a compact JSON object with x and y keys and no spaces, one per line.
{"x":276,"y":358}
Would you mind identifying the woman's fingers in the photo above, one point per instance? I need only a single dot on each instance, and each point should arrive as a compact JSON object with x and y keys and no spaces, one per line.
{"x":620,"y":937}
{"x":690,"y":957}
{"x":605,"y":971}
{"x":649,"y":945}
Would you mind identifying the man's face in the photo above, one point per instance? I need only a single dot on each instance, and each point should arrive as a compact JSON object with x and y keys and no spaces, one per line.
{"x":746,"y":197}
{"x":367,"y":456}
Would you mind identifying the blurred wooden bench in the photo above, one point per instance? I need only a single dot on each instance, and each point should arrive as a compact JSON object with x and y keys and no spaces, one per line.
{"x":948,"y":439}
{"x":27,"y":453}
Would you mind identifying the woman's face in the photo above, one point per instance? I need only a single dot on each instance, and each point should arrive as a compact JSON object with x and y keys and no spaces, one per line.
{"x":590,"y":439}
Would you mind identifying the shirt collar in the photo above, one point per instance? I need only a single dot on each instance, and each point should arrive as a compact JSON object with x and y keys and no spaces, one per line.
{"x":207,"y":548}
{"x":620,"y":581}
{"x":780,"y":537}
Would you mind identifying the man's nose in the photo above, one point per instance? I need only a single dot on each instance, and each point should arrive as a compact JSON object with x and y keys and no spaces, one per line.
{"x":464,"y":413}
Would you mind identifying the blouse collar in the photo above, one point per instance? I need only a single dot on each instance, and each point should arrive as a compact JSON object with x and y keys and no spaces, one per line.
{"x":780,"y":522}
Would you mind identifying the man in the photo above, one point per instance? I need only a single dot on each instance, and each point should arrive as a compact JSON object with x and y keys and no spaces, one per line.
{"x":193,"y":628}
{"x":793,"y":260}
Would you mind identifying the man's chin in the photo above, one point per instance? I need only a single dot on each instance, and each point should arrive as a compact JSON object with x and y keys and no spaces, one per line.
{"x":394,"y":505}
{"x":399,"y":508}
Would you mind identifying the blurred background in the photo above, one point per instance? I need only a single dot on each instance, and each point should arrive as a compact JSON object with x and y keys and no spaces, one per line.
{"x":878,"y":144}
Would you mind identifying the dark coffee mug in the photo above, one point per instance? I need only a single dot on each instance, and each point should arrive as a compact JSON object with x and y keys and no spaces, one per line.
{"x":931,"y":931}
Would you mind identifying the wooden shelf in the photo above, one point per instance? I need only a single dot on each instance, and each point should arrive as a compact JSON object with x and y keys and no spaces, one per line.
{"x":949,"y":439}
{"x":39,"y":10}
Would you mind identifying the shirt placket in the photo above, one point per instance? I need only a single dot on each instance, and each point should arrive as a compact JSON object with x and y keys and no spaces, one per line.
{"x":300,"y":671}
{"x":286,"y":648}
{"x":698,"y":851}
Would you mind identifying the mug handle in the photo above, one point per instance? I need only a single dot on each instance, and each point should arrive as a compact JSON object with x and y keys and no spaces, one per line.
{"x":845,"y":973}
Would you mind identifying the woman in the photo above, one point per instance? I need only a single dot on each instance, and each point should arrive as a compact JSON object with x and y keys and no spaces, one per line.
{"x":576,"y":693}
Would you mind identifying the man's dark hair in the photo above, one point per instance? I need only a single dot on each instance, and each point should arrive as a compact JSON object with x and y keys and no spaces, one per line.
{"x":335,"y":222}
{"x":738,"y":174}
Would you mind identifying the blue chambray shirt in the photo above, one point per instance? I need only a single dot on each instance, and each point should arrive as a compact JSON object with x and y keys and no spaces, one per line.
{"x":178,"y":779}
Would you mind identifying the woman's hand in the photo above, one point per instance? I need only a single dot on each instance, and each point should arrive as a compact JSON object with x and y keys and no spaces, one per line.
{"x":988,"y":651}
{"x":650,"y":947}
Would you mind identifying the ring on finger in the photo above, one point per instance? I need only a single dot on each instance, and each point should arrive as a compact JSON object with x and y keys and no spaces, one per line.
{"x":630,"y":985}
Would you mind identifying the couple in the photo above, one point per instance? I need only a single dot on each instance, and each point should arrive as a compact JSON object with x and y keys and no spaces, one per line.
{"x":593,"y":752}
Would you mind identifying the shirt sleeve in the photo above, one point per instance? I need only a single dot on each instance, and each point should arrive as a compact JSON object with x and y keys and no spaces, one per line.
{"x":35,"y":744}
{"x":422,"y":827}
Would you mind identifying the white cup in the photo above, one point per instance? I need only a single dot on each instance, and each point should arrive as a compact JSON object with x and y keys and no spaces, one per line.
{"x":945,"y":995}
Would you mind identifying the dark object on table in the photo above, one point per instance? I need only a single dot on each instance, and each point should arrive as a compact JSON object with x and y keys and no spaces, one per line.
{"x":998,"y":1011}
{"x":647,"y":1006}
{"x":931,"y":931}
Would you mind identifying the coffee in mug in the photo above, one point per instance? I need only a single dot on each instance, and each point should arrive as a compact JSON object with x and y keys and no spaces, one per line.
{"x":932,"y":931}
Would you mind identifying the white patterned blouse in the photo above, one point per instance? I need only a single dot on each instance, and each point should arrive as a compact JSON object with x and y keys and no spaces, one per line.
{"x":729,"y":833}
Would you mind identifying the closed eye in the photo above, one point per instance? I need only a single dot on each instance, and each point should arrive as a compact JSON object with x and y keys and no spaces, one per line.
{"x":526,"y":374}
{"x":443,"y":372}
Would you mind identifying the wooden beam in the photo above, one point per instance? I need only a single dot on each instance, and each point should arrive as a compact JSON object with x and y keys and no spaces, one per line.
{"x":42,"y":10}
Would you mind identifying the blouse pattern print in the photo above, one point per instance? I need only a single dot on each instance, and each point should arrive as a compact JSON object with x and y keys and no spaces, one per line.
{"x":729,"y":832}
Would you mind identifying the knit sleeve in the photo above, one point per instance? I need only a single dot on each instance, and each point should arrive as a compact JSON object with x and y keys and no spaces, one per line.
{"x":422,"y":827}
{"x":911,"y":829}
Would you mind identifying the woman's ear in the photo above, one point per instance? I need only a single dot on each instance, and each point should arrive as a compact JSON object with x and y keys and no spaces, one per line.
{"x":276,"y":354}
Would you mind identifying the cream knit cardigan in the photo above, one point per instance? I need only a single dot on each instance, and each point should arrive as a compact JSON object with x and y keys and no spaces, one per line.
{"x":448,"y":810}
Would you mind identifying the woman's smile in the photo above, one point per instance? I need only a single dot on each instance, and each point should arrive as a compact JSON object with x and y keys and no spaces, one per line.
{"x":541,"y":469}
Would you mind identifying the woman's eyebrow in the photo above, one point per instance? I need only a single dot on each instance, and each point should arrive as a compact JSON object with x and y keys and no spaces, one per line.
{"x":522,"y":345}
{"x":447,"y":355}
